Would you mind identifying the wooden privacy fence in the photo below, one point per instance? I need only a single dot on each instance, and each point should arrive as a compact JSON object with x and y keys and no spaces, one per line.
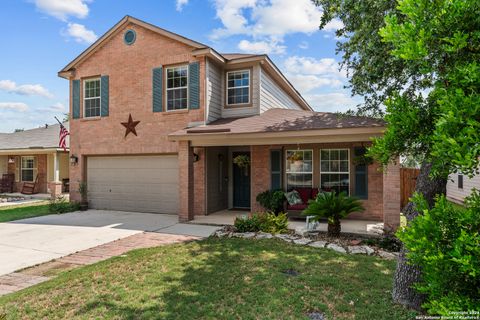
{"x":408,"y":180}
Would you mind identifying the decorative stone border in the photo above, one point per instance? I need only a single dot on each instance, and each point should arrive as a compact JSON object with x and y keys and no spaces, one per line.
{"x":10,"y":199}
{"x":354,"y":249}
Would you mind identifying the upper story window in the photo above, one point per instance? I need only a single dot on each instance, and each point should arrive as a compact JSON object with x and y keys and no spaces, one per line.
{"x":335,"y":170}
{"x":177,"y":88}
{"x":91,"y":98}
{"x":238,"y":87}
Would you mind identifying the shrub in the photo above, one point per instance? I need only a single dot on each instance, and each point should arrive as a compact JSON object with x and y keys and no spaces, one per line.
{"x":272,"y":200}
{"x":334,"y":207}
{"x":248,"y":224}
{"x":61,"y":205}
{"x":273,"y":223}
{"x":264,"y":221}
{"x":445,"y":243}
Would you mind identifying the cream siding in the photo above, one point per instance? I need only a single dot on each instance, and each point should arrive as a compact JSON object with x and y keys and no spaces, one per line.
{"x":273,"y":96}
{"x":231,"y":111}
{"x":214,"y":89}
{"x":456,"y":194}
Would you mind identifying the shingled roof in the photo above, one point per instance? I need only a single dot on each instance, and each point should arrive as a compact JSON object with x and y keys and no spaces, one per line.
{"x":282,"y":120}
{"x":39,"y":138}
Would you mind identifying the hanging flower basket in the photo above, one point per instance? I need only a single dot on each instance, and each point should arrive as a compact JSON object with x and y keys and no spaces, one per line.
{"x":243,"y":162}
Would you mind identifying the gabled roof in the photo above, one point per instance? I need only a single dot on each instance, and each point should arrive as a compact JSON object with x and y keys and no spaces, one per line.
{"x":197,"y":49}
{"x":39,"y":138}
{"x":128,"y":19}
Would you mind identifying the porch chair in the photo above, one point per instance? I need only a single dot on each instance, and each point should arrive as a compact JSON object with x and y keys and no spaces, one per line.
{"x":29,"y":187}
{"x":7,"y":182}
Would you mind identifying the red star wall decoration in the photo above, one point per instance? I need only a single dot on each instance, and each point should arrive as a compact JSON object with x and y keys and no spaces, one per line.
{"x":130,"y":125}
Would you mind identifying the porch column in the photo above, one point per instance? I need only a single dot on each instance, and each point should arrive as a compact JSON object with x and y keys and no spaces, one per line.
{"x":391,"y":196}
{"x":185,"y":170}
{"x":55,"y":186}
{"x":260,"y":174}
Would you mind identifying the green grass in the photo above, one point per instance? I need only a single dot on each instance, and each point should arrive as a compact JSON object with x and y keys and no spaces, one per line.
{"x":23,"y":212}
{"x":216,"y":279}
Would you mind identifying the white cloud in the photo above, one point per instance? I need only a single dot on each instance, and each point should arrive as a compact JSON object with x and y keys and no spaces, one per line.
{"x":306,"y":83}
{"x":181,"y":4}
{"x":308,"y":65}
{"x":24,"y":89}
{"x":332,"y":102}
{"x":15,"y":106}
{"x":333,"y":25}
{"x":80,"y":33}
{"x":62,"y":9}
{"x":56,"y":107}
{"x":260,"y":47}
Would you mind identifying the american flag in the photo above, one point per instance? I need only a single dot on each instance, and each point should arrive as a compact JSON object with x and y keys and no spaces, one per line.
{"x":63,"y":137}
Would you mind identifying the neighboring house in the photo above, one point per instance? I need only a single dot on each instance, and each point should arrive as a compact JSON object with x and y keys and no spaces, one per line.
{"x":194,"y":110}
{"x":35,"y":152}
{"x":460,"y":186}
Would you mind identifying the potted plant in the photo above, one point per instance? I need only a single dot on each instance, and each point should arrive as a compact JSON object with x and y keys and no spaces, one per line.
{"x":242,"y":161}
{"x":334,"y":207}
{"x":272,"y":200}
{"x":82,"y":189}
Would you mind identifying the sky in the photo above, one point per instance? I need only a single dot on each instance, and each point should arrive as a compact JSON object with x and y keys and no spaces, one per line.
{"x":40,"y":37}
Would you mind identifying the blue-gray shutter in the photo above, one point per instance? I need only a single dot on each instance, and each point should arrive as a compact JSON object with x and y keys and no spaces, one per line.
{"x":76,"y":99}
{"x":361,"y":175}
{"x":157,"y":77}
{"x":276,"y":169}
{"x":104,"y":96}
{"x":194,"y":85}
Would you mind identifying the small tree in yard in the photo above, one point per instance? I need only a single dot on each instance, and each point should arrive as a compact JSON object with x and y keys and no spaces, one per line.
{"x":334,"y":207}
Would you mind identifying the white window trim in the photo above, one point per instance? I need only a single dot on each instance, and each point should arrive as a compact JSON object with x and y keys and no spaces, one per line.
{"x":298,"y":172}
{"x":336,"y":172}
{"x":227,"y":87}
{"x":34,"y":169}
{"x":185,"y":87}
{"x":91,"y":98}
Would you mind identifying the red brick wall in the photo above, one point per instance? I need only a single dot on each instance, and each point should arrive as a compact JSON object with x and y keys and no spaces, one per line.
{"x":41,"y":170}
{"x":260,"y":174}
{"x":130,"y":91}
{"x":391,"y":196}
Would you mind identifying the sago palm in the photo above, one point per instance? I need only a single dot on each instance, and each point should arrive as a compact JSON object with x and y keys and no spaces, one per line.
{"x":334,"y":207}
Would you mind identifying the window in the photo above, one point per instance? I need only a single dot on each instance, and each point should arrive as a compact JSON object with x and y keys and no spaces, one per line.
{"x":460,"y":181}
{"x":299,"y":166}
{"x":276,"y":169}
{"x":361,"y":174}
{"x":28,"y":168}
{"x":91,"y":101}
{"x":177,"y":88}
{"x":334,"y":170}
{"x":238,"y":87}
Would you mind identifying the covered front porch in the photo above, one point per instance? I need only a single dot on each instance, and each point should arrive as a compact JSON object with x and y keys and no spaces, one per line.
{"x":308,"y":160}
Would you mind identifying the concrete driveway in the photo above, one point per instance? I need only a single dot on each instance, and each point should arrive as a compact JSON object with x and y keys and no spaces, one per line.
{"x":24,"y":243}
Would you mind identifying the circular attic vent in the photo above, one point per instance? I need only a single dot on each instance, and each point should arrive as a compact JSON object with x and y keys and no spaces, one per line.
{"x":129,"y":37}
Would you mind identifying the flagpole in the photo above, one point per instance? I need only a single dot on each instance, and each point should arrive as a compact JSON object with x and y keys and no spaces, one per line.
{"x":57,"y":120}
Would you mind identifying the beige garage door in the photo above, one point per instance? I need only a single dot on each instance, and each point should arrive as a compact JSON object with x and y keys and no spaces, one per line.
{"x":133,"y":183}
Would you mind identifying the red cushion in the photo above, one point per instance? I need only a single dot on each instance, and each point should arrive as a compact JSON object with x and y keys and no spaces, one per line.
{"x":305,"y":194}
{"x":297,"y":207}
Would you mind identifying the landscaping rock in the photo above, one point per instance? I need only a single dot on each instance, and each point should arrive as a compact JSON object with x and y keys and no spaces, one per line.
{"x":284,"y":237}
{"x":356,"y":250}
{"x":302,"y":241}
{"x":386,"y":255}
{"x":318,"y":244}
{"x":369,"y":250}
{"x":355,"y":242}
{"x":316,"y":316}
{"x":301,"y":231}
{"x":263,"y":235}
{"x":336,"y":247}
{"x":247,"y":235}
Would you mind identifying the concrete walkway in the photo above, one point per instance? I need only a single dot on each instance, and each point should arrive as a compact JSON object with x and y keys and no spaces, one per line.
{"x":24,"y":243}
{"x":16,"y":281}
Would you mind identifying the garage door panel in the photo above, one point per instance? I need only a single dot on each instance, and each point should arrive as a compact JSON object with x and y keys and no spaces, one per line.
{"x":134,"y":183}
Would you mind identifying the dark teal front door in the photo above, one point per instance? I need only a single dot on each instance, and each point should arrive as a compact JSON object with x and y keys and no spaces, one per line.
{"x":241,"y":184}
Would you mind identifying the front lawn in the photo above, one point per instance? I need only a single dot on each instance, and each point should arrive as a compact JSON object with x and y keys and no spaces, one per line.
{"x":23,"y":212}
{"x":216,"y":279}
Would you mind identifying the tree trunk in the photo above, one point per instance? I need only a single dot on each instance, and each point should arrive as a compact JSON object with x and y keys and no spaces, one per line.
{"x":407,"y":275}
{"x":334,"y":229}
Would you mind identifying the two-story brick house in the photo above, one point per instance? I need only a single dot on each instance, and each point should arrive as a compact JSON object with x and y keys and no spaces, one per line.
{"x":198,"y":110}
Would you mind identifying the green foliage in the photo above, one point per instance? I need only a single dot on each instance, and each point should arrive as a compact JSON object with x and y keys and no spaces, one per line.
{"x":332,"y":206}
{"x":274,"y":223}
{"x":248,"y":224}
{"x":263,"y":221}
{"x":82,"y":189}
{"x":242,"y":161}
{"x":445,"y":243}
{"x":272,"y":200}
{"x":61,"y":205}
